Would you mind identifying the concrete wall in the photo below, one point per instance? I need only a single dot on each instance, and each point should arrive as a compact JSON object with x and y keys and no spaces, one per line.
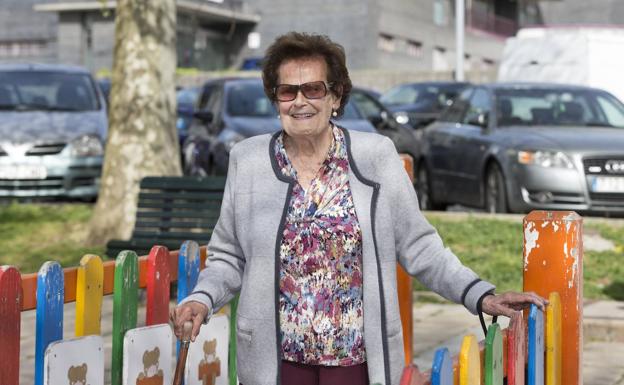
{"x":594,"y":12}
{"x":348,"y":22}
{"x":431,"y":23}
{"x":70,"y":39}
{"x":103,"y":43}
{"x":20,"y":24}
{"x":357,"y":25}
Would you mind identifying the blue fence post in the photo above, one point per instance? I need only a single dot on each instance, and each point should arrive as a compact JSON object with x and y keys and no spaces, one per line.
{"x":536,"y":346}
{"x":188,"y":268}
{"x":50,"y":299}
{"x":442,"y":368}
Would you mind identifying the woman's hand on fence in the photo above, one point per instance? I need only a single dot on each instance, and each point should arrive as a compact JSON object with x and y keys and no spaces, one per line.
{"x":508,"y":303}
{"x":193,"y":311}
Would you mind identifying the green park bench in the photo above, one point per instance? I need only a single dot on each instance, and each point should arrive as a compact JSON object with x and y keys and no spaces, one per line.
{"x":172,"y":210}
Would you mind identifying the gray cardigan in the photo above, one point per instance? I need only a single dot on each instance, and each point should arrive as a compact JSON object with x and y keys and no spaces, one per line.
{"x":243,"y":254}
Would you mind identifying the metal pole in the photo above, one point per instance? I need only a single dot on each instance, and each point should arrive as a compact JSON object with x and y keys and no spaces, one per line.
{"x":460,"y":9}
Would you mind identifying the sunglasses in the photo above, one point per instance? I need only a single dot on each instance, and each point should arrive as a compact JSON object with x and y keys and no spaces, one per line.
{"x":311,"y":90}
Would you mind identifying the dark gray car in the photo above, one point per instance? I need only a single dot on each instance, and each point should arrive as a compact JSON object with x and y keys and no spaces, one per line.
{"x":230,"y":110}
{"x":518,"y":147}
{"x":418,"y":104}
{"x":53,"y":126}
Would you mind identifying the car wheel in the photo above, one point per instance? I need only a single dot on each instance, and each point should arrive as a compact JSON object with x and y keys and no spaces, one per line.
{"x":495,"y":197}
{"x":423,"y":190}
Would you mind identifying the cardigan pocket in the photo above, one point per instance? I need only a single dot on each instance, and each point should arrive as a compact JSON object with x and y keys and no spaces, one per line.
{"x":256,"y":350}
{"x":243,"y":336}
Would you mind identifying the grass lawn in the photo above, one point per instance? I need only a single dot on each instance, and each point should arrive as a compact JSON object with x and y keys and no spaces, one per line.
{"x":30,"y":234}
{"x":493,"y":249}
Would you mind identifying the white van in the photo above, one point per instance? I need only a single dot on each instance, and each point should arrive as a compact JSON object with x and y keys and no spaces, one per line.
{"x":589,"y":56}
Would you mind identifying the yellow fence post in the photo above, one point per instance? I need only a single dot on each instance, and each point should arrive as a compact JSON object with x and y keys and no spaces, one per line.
{"x":553,"y":340}
{"x":553,"y":262}
{"x":89,"y":292}
{"x":469,"y":361}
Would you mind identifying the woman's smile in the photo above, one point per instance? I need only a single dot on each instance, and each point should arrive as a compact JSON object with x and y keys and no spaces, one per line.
{"x":302,"y":115}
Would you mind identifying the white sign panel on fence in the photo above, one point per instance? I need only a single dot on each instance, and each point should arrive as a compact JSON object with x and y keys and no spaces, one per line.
{"x":148,"y":356}
{"x":207,"y":361}
{"x":75,"y":361}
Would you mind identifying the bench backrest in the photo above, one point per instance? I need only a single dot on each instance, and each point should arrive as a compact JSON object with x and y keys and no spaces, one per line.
{"x":171,"y":210}
{"x":171,"y":205}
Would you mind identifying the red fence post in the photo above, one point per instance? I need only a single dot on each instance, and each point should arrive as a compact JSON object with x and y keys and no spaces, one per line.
{"x":158,"y":282}
{"x":10,"y":317}
{"x":553,"y":262}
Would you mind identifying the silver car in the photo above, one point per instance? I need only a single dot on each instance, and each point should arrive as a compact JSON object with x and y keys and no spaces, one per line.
{"x":53,"y":126}
{"x":519,"y":147}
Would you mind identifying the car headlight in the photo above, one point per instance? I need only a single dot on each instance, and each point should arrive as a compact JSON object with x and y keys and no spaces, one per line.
{"x":180,"y":123}
{"x":551,"y":159}
{"x":86,"y":145}
{"x":401,"y":117}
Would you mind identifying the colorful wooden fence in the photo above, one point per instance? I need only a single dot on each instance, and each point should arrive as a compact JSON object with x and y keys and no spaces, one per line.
{"x":547,"y":346}
{"x":551,"y":356}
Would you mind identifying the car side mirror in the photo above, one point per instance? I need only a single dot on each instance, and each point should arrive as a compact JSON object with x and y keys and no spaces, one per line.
{"x":480,"y":120}
{"x":376,"y":120}
{"x":204,"y":116}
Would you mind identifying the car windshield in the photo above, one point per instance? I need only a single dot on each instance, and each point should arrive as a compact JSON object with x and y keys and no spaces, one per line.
{"x":350,"y":112}
{"x":558,"y":107}
{"x":366,"y":104}
{"x":410,"y":94}
{"x":248,"y":99}
{"x":47,"y":91}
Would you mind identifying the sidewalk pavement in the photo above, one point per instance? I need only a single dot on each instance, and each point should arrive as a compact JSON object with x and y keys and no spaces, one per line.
{"x":435,"y":325}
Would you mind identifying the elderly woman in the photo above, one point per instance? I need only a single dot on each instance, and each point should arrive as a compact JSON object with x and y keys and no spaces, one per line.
{"x":313,"y":221}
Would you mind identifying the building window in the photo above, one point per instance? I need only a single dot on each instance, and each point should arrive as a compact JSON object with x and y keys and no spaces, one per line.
{"x":467,"y":62}
{"x":440,"y":14}
{"x":10,"y":49}
{"x":487,"y":64}
{"x":414,"y":48}
{"x":386,"y":43}
{"x":440,"y":60}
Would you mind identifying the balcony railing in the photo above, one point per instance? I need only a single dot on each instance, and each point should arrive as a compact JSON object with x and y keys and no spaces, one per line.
{"x":491,"y":23}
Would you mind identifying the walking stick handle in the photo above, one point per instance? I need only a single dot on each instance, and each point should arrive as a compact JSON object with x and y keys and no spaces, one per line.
{"x":185,"y":341}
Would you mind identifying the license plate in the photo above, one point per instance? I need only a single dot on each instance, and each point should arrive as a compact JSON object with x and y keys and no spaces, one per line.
{"x":23,"y":172}
{"x":608,"y":184}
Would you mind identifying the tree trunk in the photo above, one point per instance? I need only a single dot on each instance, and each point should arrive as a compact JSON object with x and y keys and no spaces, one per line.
{"x":142,"y":137}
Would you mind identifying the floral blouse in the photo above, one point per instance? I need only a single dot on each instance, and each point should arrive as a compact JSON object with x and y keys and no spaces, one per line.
{"x":321,"y":310}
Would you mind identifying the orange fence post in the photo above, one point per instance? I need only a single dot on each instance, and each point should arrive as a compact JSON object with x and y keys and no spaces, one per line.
{"x":404,"y":287}
{"x":553,"y":262}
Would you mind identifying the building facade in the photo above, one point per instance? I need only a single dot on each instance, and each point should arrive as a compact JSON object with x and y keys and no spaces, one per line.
{"x":226,"y":34}
{"x":26,"y":35}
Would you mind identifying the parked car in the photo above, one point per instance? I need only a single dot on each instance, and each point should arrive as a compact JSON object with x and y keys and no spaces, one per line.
{"x":418,"y":104}
{"x":230,"y":110}
{"x":105,"y":85}
{"x":519,"y":147}
{"x":405,"y":139}
{"x":52,"y":130}
{"x":187,"y":99}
